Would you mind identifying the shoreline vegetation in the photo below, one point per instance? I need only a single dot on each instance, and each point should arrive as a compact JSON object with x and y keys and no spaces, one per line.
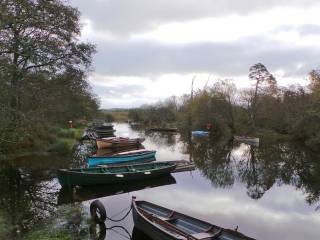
{"x":43,"y":75}
{"x":44,"y":85}
{"x":265,"y":110}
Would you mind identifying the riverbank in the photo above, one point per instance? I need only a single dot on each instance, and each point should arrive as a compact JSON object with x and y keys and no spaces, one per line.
{"x":59,"y":141}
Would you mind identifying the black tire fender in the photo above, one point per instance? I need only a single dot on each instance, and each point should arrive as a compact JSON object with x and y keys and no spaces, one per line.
{"x":98,"y":231}
{"x":98,"y":212}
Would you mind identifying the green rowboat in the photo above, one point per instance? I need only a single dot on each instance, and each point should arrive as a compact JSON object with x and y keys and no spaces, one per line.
{"x":113,"y":174}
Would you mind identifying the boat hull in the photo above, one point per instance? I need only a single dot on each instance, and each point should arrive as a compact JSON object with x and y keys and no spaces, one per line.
{"x":148,"y":228}
{"x":112,"y":175}
{"x":118,"y":143}
{"x":96,"y":160}
{"x":161,"y":223}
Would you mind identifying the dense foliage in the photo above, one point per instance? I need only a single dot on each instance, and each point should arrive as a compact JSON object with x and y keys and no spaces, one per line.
{"x":264,"y":108}
{"x":43,"y":69}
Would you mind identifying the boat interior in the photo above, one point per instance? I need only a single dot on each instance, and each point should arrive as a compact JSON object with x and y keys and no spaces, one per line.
{"x":179,"y":224}
{"x":185,"y":227}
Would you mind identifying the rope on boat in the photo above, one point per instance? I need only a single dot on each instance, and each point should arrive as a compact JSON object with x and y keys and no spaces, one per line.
{"x":119,"y":220}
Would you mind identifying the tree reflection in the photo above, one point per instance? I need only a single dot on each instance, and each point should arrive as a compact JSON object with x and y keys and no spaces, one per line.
{"x":215,"y":162}
{"x":162,"y":139}
{"x":25,"y":197}
{"x":259,"y":168}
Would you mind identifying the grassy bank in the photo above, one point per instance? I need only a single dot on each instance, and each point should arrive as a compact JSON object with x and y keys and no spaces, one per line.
{"x":65,"y":139}
{"x":69,"y":222}
{"x":47,"y":235}
{"x":53,"y":140}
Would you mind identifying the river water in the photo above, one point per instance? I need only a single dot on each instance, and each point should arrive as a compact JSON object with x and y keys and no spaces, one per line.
{"x":268,"y":192}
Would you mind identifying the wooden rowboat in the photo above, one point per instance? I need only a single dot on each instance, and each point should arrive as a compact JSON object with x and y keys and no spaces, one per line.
{"x":104,"y":127}
{"x":113,"y":175}
{"x":112,"y":151}
{"x":161,"y":223}
{"x":105,"y":133}
{"x":135,"y":155}
{"x":116,"y":142}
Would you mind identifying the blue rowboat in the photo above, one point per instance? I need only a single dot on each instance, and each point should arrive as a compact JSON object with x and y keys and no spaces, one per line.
{"x":200,"y":133}
{"x":135,"y":155}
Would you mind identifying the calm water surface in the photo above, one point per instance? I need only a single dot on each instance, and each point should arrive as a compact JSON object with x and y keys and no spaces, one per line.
{"x":270,"y":192}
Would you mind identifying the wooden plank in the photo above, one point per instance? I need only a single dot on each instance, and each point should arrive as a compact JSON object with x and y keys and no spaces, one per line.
{"x":166,"y":224}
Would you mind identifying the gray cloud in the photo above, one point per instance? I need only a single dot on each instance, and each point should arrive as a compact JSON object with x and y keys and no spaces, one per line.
{"x":231,"y":59}
{"x":122,"y":17}
{"x":132,"y":90}
{"x":123,"y":96}
{"x":303,"y":30}
{"x":150,"y":58}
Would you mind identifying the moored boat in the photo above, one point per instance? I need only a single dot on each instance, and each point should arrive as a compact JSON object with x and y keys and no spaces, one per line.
{"x":105,"y":133}
{"x":111,"y":151}
{"x":161,"y":223}
{"x":104,"y":127}
{"x":200,"y":133}
{"x":129,"y":156}
{"x":163,"y":129}
{"x":117,"y":142}
{"x":113,"y":175}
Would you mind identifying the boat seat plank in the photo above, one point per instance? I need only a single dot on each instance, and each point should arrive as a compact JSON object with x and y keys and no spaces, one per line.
{"x":188,"y":226}
{"x":167,"y":225}
{"x":205,"y":236}
{"x":202,"y":235}
{"x":151,"y":210}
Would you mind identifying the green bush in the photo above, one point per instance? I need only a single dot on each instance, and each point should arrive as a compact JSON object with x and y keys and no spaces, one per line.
{"x":67,"y":133}
{"x":45,"y":235}
{"x":60,"y":146}
{"x":307,"y":130}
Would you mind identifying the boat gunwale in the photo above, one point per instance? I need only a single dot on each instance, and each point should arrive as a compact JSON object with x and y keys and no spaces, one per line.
{"x":125,"y":155}
{"x":119,"y":139}
{"x":176,"y":214}
{"x":78,"y":170}
{"x":136,"y":209}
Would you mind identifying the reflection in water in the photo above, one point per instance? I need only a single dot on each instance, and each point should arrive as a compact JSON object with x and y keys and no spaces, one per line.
{"x":138,"y":235}
{"x":267,"y":191}
{"x":84,"y":193}
{"x":259,"y":168}
{"x":164,"y":139}
{"x":26,"y":197}
{"x":215,"y":162}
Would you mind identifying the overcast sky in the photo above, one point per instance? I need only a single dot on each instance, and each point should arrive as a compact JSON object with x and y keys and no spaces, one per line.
{"x":151,"y":49}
